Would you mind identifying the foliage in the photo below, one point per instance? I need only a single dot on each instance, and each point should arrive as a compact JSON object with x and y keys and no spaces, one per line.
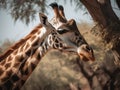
{"x":23,"y":10}
{"x":78,"y":4}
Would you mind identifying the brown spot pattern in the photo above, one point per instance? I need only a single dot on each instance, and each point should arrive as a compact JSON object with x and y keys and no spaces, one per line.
{"x":9,"y":73}
{"x":20,"y":59}
{"x":16,"y":65}
{"x":3,"y":62}
{"x":7,"y":65}
{"x":5,"y":78}
{"x":9,"y":58}
{"x":20,"y":43}
{"x":1,"y":71}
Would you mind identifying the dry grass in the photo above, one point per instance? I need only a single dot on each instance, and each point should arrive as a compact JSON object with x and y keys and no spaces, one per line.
{"x":54,"y":72}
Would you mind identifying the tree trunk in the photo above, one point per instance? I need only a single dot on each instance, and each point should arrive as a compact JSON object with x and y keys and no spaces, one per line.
{"x":101,"y":11}
{"x":118,"y":3}
{"x":108,"y":23}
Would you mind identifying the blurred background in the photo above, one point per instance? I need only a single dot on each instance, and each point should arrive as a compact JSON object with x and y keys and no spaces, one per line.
{"x":19,"y":17}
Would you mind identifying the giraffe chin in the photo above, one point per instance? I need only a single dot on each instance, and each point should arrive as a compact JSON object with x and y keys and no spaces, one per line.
{"x":86,"y":53}
{"x":86,"y":58}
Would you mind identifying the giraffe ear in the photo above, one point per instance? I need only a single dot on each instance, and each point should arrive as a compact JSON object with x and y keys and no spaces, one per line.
{"x":43,"y":19}
{"x":73,"y":25}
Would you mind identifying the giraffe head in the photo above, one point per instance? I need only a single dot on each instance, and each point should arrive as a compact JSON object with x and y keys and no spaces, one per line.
{"x":68,"y":45}
{"x":74,"y":38}
{"x":86,"y":53}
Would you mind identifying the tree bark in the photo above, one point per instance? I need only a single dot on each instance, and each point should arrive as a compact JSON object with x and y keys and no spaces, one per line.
{"x":101,"y":11}
{"x":118,"y":3}
{"x":108,"y":23}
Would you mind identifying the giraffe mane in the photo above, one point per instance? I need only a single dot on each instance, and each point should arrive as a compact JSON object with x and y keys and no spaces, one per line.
{"x":19,"y":43}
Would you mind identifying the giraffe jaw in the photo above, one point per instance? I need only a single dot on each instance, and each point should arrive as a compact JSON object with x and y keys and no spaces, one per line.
{"x":86,"y":53}
{"x":70,"y":49}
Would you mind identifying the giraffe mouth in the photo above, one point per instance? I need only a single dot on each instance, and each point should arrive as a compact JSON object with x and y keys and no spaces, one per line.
{"x":86,"y":53}
{"x":87,"y":57}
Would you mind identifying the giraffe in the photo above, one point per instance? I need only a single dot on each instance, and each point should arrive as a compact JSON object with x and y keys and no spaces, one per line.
{"x":17,"y":67}
{"x":68,"y":30}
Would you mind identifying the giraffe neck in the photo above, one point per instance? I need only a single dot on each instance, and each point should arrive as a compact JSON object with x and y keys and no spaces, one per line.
{"x":32,"y":61}
{"x":16,"y":68}
{"x":19,"y":43}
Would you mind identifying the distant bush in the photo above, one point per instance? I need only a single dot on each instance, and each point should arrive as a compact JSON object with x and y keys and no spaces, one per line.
{"x":5,"y":45}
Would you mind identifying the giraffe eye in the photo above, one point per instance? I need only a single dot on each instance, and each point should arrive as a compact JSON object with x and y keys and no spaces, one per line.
{"x":62,"y":31}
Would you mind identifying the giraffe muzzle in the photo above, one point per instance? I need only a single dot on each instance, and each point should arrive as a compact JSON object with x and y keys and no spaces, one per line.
{"x":86,"y":53}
